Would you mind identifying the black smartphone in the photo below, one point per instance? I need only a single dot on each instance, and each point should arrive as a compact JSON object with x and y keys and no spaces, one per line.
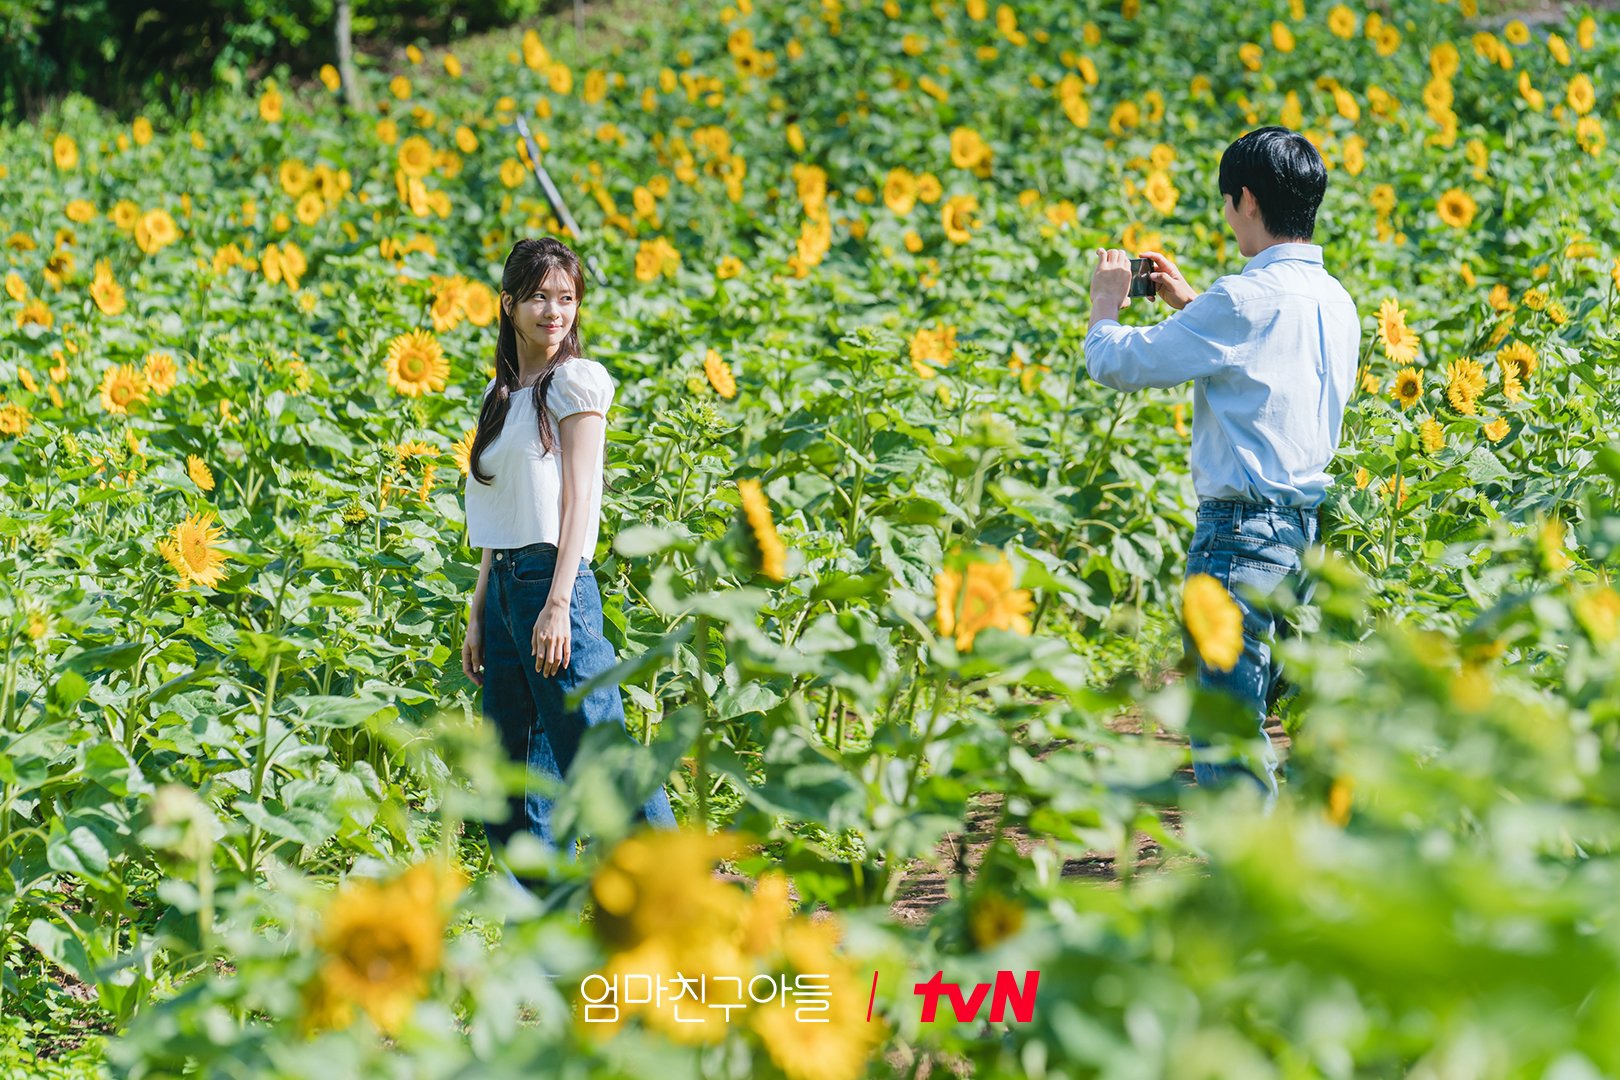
{"x":1142,"y":278}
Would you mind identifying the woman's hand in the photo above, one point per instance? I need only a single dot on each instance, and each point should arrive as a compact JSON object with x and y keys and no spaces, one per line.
{"x":1173,"y":288}
{"x":472,"y":652}
{"x":552,"y":639}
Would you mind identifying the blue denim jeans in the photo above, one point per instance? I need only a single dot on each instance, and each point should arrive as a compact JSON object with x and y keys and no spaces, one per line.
{"x":1252,"y":549}
{"x":527,"y":707}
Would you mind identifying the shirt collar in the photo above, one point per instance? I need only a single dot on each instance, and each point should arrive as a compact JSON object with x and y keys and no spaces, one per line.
{"x":1311,"y":253}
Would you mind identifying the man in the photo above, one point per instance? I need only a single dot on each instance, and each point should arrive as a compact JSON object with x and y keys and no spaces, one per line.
{"x":1272,"y":354}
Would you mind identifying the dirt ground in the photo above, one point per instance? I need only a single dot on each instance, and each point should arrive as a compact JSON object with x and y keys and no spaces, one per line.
{"x":924,"y":883}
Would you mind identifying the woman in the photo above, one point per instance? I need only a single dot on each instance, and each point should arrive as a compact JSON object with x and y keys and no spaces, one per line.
{"x":533,"y":502}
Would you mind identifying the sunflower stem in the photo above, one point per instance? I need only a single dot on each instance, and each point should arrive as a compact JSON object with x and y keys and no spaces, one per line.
{"x":701,"y":761}
{"x":1394,"y":509}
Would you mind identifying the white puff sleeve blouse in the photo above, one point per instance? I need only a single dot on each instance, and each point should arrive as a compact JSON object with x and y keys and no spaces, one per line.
{"x":523,"y":504}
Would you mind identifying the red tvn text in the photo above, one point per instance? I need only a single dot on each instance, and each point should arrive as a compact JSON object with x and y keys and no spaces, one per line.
{"x":1004,"y":993}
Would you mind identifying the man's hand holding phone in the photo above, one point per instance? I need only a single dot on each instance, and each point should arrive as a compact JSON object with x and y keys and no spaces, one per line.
{"x":1167,"y":280}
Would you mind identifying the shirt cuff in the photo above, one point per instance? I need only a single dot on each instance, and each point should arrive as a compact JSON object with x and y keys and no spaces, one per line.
{"x":1099,"y":324}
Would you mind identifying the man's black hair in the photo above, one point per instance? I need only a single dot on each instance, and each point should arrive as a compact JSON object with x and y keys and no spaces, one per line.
{"x":1284,"y":173}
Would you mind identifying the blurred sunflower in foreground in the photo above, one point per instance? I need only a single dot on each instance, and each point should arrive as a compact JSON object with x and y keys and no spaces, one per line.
{"x":381,"y":940}
{"x":665,"y":916}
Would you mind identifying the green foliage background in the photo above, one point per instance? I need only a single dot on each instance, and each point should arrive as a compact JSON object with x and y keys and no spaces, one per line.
{"x":1436,"y":894}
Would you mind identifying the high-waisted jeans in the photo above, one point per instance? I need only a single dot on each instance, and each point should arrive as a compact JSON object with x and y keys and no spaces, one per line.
{"x":528,"y":707}
{"x":1252,"y":549}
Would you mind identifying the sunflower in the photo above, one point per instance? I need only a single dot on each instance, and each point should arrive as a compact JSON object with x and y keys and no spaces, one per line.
{"x":719,"y":373}
{"x":79,"y":210}
{"x":416,"y":364}
{"x":446,"y":309}
{"x":415,"y":156}
{"x":155,"y":230}
{"x":14,"y":419}
{"x":1408,"y":388}
{"x":200,"y":474}
{"x":1465,"y":381}
{"x":310,"y":208}
{"x":478,"y":302}
{"x":1214,"y":621}
{"x":811,"y":182}
{"x":1589,"y":133}
{"x":65,"y":152}
{"x":957,"y":217}
{"x":1400,"y":343}
{"x":1532,"y":97}
{"x":409,"y":451}
{"x":1597,"y":609}
{"x":900,"y":191}
{"x":969,"y":150}
{"x":294,"y":176}
{"x":1512,"y":388}
{"x":839,"y":1046}
{"x":1355,"y":155}
{"x":160,"y":373}
{"x":1160,"y":192}
{"x":1342,"y":22}
{"x":728,"y":267}
{"x":1520,"y":356}
{"x":936,"y":346}
{"x":381,"y":942}
{"x":293,"y":263}
{"x":36,"y":313}
{"x":58,"y":268}
{"x":1340,"y":796}
{"x":993,"y":919}
{"x":1433,"y":435}
{"x":190,"y":550}
{"x":987,"y":597}
{"x":462,"y":451}
{"x":1496,"y":430}
{"x":1071,"y":95}
{"x":1456,"y":208}
{"x":757,"y":509}
{"x":1581,"y":95}
{"x":270,"y":105}
{"x":122,"y":387}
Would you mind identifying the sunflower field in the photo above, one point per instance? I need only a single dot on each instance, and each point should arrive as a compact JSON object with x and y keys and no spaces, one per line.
{"x":896,"y":588}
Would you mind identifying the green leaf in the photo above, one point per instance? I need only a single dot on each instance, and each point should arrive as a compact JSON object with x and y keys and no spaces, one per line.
{"x":63,"y":948}
{"x":1481,"y":466}
{"x":331,"y":711}
{"x":118,"y":657}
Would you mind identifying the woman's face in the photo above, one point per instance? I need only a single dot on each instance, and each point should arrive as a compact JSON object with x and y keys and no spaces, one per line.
{"x":546,"y":315}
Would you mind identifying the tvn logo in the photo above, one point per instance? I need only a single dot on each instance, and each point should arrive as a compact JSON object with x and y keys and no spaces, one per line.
{"x":1004,"y":994}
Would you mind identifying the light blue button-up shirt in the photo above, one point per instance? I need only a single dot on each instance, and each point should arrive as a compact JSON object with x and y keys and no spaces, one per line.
{"x":1272,"y":356}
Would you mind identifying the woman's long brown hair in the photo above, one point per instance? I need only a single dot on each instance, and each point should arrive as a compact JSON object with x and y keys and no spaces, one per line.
{"x":528,"y":264}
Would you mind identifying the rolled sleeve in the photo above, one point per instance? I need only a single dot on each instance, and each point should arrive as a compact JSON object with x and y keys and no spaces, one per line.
{"x":1195,"y":342}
